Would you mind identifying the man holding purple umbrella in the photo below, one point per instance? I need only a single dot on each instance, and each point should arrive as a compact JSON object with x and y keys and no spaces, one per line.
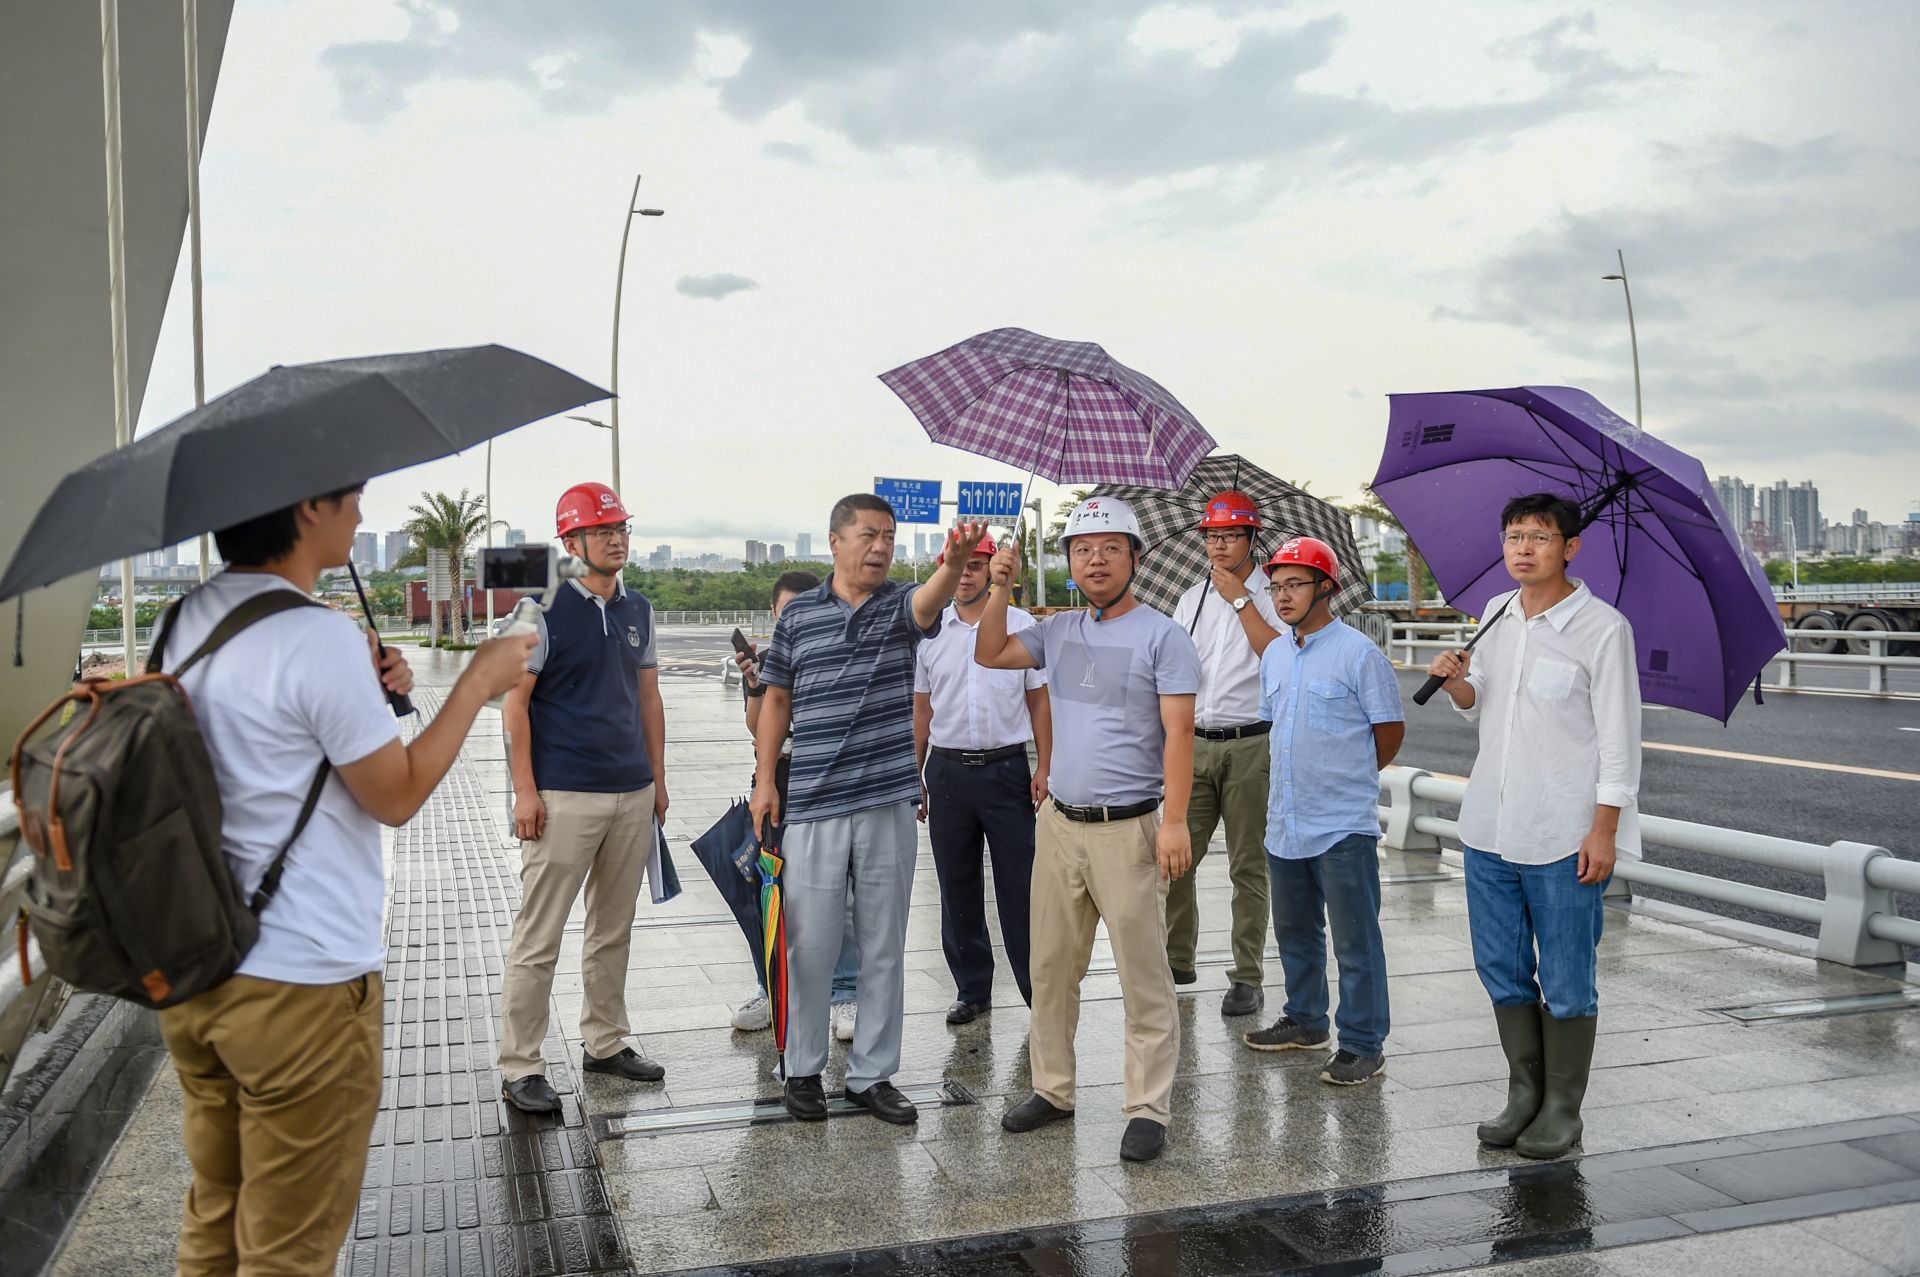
{"x":1550,"y":804}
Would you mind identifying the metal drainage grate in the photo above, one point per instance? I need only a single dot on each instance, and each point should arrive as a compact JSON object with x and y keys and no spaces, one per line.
{"x":1807,"y":1008}
{"x":648,"y":1123}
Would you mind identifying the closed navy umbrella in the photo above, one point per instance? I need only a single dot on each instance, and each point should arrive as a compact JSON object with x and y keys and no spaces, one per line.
{"x":284,"y":437}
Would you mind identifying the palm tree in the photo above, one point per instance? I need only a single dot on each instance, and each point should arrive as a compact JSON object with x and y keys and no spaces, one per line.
{"x":1060,"y":513}
{"x":1372,"y":507}
{"x":445,"y":525}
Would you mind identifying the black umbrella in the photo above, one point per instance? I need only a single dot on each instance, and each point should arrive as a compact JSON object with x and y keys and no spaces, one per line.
{"x":288,"y":435}
{"x":730,"y":853}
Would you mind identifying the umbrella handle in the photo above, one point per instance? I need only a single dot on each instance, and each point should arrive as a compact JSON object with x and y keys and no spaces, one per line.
{"x":1435,"y":681}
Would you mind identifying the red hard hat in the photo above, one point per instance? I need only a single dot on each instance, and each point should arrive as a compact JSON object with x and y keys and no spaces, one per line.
{"x":588,"y":505}
{"x":1231,"y":509}
{"x":986,"y":549}
{"x":1307,"y":552}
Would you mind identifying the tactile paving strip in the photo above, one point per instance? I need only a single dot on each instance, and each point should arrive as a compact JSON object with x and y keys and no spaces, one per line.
{"x":457,"y":1183}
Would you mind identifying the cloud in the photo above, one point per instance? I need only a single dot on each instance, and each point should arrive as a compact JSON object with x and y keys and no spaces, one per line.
{"x":798,"y":152}
{"x":714,"y":287}
{"x":1788,"y":433}
{"x":1016,"y":86}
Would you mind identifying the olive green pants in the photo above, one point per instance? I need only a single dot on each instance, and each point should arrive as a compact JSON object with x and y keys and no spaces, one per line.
{"x":1230,"y":783}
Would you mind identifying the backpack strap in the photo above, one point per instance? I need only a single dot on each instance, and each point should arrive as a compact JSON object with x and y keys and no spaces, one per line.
{"x":270,"y":883}
{"x":162,"y":629}
{"x":257,"y":608}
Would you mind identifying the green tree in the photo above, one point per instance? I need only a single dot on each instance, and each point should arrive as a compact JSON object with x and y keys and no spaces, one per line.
{"x":448,"y":525}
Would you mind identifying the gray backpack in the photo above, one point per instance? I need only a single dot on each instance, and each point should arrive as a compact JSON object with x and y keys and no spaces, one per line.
{"x":129,"y":892}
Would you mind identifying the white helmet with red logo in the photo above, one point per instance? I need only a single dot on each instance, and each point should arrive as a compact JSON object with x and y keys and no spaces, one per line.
{"x":1104,"y":514}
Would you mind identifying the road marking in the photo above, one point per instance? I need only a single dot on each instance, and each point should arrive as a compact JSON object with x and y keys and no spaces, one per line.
{"x":1908,"y":729}
{"x":1783,"y":762}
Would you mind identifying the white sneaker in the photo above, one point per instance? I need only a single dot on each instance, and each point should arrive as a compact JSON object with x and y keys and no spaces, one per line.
{"x":842,"y":1019}
{"x":754,"y":1014}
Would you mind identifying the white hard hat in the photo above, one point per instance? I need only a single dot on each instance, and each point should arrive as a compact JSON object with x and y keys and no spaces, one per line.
{"x":1104,"y":514}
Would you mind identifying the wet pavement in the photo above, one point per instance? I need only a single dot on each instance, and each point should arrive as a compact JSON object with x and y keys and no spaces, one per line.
{"x":1695,"y":1120}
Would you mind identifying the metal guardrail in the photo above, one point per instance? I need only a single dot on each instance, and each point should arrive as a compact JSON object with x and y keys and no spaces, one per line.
{"x":24,"y":1008}
{"x":1410,"y":639}
{"x":1858,"y":923}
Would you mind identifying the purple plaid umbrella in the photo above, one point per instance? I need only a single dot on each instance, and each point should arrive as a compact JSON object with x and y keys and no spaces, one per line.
{"x":1063,"y":410}
{"x":1657,"y":544}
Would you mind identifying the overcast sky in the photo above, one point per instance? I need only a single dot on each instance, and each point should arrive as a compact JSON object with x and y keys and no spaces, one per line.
{"x":1280,"y":212}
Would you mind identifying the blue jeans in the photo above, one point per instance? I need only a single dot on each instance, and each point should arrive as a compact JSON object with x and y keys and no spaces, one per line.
{"x":1514,"y":910}
{"x":1337,"y":889}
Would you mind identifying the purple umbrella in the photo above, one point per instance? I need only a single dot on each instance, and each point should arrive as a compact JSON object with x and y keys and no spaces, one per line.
{"x":1064,"y":410}
{"x":1657,"y":544}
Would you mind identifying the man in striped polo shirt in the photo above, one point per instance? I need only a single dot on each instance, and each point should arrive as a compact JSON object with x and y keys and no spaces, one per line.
{"x":840,"y":674}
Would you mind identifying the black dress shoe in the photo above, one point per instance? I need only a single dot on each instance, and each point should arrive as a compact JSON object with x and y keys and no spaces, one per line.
{"x":1143,"y":1140}
{"x":531,"y":1094}
{"x":1183,"y":977}
{"x":627,"y":1063}
{"x":1031,"y":1114}
{"x":884,"y":1101}
{"x":1241,"y":999}
{"x":805,"y":1099}
{"x":964,"y":1012}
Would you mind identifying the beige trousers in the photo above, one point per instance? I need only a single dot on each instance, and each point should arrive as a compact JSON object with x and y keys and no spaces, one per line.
{"x":1084,"y":874}
{"x":604,"y":842}
{"x":282,"y":1084}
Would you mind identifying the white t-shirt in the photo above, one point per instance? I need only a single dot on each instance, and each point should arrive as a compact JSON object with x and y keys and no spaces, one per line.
{"x":270,"y":703}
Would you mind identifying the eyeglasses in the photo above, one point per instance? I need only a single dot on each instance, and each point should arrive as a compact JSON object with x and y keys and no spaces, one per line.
{"x":1539,"y":540}
{"x":613,"y":532}
{"x":1081,"y":551}
{"x":1225,"y":538}
{"x":1289,"y":587}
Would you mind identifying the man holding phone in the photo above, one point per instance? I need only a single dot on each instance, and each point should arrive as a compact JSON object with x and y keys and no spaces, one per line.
{"x":588,"y":734}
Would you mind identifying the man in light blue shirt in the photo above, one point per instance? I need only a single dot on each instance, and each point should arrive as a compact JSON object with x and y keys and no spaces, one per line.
{"x":1335,"y":707}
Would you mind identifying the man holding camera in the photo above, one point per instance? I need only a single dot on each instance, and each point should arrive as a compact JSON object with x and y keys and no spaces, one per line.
{"x":587,"y":755}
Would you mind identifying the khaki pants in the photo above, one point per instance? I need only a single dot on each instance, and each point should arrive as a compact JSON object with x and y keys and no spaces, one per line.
{"x":603,"y":841}
{"x":282,"y":1084}
{"x":1230,"y":782}
{"x":1084,"y":874}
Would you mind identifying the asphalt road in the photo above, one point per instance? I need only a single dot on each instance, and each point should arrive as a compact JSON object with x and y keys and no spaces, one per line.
{"x":1780,"y":797}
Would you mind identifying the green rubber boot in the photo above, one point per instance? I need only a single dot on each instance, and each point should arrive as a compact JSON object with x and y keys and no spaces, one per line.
{"x":1569,"y":1051}
{"x":1526,"y":1080}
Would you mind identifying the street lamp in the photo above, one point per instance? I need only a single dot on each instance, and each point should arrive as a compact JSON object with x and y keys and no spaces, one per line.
{"x":619,"y":282}
{"x":1632,"y":335}
{"x":1793,"y":551}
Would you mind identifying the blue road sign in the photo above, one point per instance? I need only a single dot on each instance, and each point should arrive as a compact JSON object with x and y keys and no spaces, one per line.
{"x":913,"y":500}
{"x":999,"y":502}
{"x":1073,"y":586}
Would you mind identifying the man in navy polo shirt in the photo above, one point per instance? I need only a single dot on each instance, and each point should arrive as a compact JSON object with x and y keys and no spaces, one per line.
{"x":588,"y":738}
{"x":840,"y":674}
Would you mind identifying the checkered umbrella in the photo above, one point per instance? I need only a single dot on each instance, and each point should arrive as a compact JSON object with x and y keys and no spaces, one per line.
{"x":1063,"y":410}
{"x":1176,"y":557}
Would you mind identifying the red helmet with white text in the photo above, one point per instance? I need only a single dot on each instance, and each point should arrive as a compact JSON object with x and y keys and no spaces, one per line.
{"x":588,"y":505}
{"x":1306,"y":552}
{"x":1231,"y":509}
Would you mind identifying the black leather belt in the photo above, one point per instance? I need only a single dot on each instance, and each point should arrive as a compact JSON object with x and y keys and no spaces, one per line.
{"x":1233,"y":733}
{"x":1101,"y":815}
{"x":979,"y":757}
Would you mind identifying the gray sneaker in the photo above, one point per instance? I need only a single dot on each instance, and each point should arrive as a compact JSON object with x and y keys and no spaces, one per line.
{"x":1348,"y":1069}
{"x":1284,"y":1035}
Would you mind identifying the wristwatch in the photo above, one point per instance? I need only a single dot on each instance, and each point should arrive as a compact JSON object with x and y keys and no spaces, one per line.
{"x":1240,"y":604}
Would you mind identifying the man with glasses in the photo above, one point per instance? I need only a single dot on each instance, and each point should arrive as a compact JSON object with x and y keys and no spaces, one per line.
{"x":1121,"y":681}
{"x":587,"y":753}
{"x":1335,"y":707}
{"x":1551,"y":803}
{"x":1231,"y":621}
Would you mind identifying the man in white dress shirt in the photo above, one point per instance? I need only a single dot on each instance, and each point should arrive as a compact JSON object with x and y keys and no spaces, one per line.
{"x":1231,"y":619}
{"x":1551,"y":802}
{"x":971,"y":726}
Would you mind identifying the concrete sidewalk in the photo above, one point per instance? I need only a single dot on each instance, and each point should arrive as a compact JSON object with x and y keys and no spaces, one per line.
{"x":457,"y":1183}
